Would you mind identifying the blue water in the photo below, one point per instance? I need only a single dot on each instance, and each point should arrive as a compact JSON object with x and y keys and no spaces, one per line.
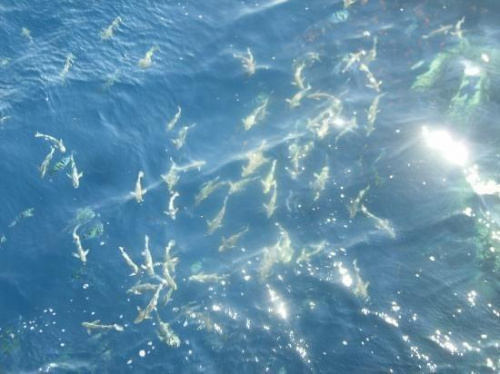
{"x":432,"y":296}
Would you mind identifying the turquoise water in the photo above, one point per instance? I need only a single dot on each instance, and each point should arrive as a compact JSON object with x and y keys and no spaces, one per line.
{"x":381,"y":251}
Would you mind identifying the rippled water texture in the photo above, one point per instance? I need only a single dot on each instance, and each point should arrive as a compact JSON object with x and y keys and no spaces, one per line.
{"x":220,"y":186}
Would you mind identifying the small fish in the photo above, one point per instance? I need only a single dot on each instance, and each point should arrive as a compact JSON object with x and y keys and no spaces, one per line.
{"x":256,"y":116}
{"x":57,"y":143}
{"x":129,"y":261}
{"x":297,"y":98}
{"x":361,"y":289}
{"x":372,"y":114}
{"x":46,"y":162}
{"x":380,"y":223}
{"x":173,"y":121}
{"x":320,"y":181}
{"x":24,"y":214}
{"x":441,"y":30}
{"x":238,"y":186}
{"x":80,"y":252}
{"x":339,"y":16}
{"x":145,"y":313}
{"x":356,"y":203}
{"x":372,"y":81}
{"x":148,"y":258}
{"x":95,"y":325}
{"x":217,"y":221}
{"x":298,"y":80}
{"x":181,"y":136}
{"x":139,"y":191}
{"x":372,"y":53}
{"x":146,"y":61}
{"x":458,"y":32}
{"x":232,"y":240}
{"x":169,"y":265}
{"x":70,"y":60}
{"x":268,"y":181}
{"x":74,"y":176}
{"x":172,"y":210}
{"x":353,"y":58}
{"x":203,"y":278}
{"x":255,"y":160}
{"x":270,"y":207}
{"x":25,"y":32}
{"x":305,"y":255}
{"x":348,"y":3}
{"x":247,"y":61}
{"x":107,"y":33}
{"x":141,"y":288}
{"x":166,"y":335}
{"x":207,"y":189}
{"x":61,"y":165}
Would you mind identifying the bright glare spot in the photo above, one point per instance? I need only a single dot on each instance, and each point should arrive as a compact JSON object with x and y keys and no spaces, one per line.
{"x":142,"y":353}
{"x":471,"y":70}
{"x":485,"y":57}
{"x":442,"y":141}
{"x":480,"y":186}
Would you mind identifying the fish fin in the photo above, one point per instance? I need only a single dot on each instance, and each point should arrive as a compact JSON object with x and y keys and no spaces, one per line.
{"x":75,"y":255}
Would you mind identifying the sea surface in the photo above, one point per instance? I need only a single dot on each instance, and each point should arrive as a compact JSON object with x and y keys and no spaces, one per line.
{"x":367,"y":235}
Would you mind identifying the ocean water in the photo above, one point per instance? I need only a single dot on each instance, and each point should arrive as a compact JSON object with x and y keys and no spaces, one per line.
{"x":381,"y":254}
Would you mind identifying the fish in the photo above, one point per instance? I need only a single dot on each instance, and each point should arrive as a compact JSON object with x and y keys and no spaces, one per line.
{"x":46,"y":162}
{"x":107,"y":33}
{"x":441,"y":30}
{"x":145,"y":313}
{"x":372,"y":114}
{"x":173,"y":121}
{"x":270,"y":207}
{"x":352,"y":58}
{"x":166,"y":335}
{"x":238,"y":186}
{"x":140,"y":288}
{"x":320,"y":181}
{"x":247,"y":61}
{"x":348,"y":3}
{"x":70,"y":60}
{"x":306,"y":255}
{"x":281,"y":252}
{"x":372,"y":81}
{"x":168,"y":267}
{"x":74,"y":176}
{"x":268,"y":181}
{"x":57,"y":143}
{"x":203,"y":278}
{"x":172,"y":210}
{"x":372,"y":53}
{"x":255,"y":160}
{"x":361,"y":289}
{"x":25,"y":32}
{"x":24,"y":214}
{"x":95,"y":325}
{"x":181,"y":136}
{"x":207,"y":189}
{"x":339,"y":16}
{"x":298,"y":80}
{"x":139,"y":191}
{"x":347,"y":127}
{"x":458,"y":32}
{"x":295,"y":100}
{"x":172,"y":177}
{"x":257,"y":115}
{"x":148,"y":259}
{"x":147,"y":60}
{"x":380,"y":223}
{"x":80,"y":252}
{"x":357,"y":202}
{"x":129,"y":261}
{"x":296,"y":153}
{"x":232,"y":240}
{"x":216,"y":223}
{"x":61,"y":165}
